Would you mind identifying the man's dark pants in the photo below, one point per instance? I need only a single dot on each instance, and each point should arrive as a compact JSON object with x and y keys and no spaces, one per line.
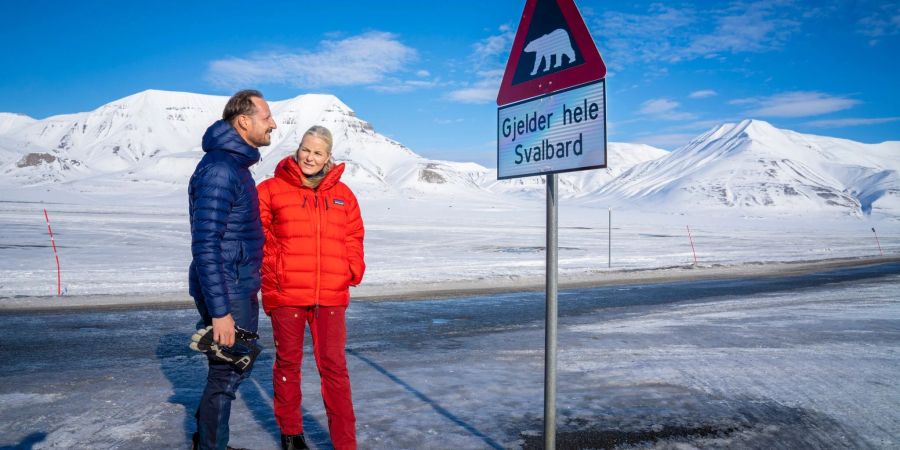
{"x":223,"y":380}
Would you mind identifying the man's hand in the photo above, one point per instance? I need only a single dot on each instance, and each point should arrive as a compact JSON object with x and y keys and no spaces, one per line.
{"x":223,"y":330}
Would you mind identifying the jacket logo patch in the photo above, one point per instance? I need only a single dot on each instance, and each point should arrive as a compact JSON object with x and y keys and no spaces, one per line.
{"x":338,"y":201}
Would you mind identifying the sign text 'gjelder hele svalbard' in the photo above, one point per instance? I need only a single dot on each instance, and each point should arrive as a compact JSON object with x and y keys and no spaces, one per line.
{"x":559,"y":132}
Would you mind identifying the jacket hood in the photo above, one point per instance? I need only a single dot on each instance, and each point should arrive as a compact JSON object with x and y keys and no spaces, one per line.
{"x":222,"y":136}
{"x":288,"y":170}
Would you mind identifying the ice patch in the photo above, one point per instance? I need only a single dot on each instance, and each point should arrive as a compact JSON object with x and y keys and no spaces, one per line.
{"x":18,"y":399}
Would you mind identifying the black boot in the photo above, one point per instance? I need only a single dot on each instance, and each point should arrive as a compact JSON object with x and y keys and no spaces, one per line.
{"x":195,"y":443}
{"x":295,"y":442}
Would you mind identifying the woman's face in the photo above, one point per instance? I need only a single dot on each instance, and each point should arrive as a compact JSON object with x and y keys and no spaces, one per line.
{"x":312,"y":155}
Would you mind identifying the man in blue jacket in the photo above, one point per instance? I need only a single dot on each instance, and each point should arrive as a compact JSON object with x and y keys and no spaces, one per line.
{"x":226,"y":244}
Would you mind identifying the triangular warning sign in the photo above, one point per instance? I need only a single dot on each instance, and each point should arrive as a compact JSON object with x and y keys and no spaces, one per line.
{"x":553,"y":50}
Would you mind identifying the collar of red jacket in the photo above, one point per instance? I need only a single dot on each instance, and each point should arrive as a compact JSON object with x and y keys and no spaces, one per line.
{"x":288,"y":170}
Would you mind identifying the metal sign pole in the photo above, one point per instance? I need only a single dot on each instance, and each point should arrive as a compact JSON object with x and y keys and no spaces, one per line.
{"x":550,"y":333}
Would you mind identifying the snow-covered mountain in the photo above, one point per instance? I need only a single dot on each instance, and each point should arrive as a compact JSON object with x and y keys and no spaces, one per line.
{"x":10,"y":122}
{"x":148,"y":143}
{"x":151,"y":140}
{"x":752,"y":165}
{"x":120,"y":136}
{"x":620,"y":157}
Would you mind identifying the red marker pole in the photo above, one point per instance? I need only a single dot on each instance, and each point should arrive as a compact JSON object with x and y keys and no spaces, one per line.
{"x":52,"y":241}
{"x":692,"y":244}
{"x":876,"y":241}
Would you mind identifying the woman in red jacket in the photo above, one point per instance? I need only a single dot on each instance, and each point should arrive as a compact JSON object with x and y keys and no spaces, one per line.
{"x":312,"y":255}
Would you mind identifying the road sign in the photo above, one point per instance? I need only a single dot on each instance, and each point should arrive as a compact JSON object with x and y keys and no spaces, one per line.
{"x":551,"y":118}
{"x":553,"y":50}
{"x":559,"y":132}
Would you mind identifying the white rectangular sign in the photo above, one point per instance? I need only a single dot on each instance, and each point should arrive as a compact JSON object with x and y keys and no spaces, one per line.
{"x":559,"y":132}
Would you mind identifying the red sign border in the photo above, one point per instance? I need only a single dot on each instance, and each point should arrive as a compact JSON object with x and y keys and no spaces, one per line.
{"x":592,"y":69}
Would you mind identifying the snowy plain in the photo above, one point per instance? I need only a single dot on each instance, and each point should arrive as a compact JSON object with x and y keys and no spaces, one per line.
{"x":139,"y":248}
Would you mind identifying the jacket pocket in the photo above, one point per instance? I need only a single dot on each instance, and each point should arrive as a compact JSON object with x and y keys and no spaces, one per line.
{"x":348,"y":277}
{"x":239,"y":264}
{"x":279,"y":270}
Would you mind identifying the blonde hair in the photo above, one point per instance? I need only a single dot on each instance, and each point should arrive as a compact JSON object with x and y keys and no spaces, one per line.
{"x":317,"y":131}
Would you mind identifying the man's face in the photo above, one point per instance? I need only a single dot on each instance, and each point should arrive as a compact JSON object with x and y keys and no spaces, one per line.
{"x":258,"y":129}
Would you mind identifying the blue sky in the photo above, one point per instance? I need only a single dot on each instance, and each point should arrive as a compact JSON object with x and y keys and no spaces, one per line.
{"x":427,"y":73}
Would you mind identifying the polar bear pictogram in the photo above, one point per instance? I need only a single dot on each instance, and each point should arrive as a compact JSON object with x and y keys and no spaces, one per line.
{"x":553,"y":44}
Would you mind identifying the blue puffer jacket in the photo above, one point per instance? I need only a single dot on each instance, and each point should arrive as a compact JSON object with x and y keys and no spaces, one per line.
{"x":226,"y":234}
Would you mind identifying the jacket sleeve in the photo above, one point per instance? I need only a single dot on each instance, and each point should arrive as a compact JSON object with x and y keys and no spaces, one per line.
{"x":270,"y":248}
{"x":214,"y":194}
{"x":354,"y":241}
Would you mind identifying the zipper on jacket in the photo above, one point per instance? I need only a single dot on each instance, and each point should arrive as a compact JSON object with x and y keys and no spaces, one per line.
{"x":327,"y":208}
{"x":318,"y":251}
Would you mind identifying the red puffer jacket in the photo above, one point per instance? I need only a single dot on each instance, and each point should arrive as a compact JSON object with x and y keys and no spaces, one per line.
{"x":314,"y":239}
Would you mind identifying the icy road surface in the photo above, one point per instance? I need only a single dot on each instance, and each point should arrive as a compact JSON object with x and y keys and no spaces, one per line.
{"x":790,"y":362}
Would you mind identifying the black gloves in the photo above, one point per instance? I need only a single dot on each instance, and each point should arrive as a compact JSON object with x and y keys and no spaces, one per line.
{"x":241,"y":355}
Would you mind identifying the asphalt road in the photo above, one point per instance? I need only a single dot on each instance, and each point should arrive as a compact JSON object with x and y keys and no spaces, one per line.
{"x":84,"y":379}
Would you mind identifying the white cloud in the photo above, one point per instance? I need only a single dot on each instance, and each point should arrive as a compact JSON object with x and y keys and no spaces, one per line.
{"x":851,"y":122}
{"x":703,"y":93}
{"x":667,"y":34}
{"x":479,"y":93}
{"x":797,"y":104}
{"x":628,"y":38}
{"x":658,"y":106}
{"x":882,"y":22}
{"x":358,"y":60}
{"x":663,"y":108}
{"x":394,"y":85}
{"x":493,"y":46}
{"x":487,"y":62}
{"x":755,"y":27}
{"x":743,"y":101}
